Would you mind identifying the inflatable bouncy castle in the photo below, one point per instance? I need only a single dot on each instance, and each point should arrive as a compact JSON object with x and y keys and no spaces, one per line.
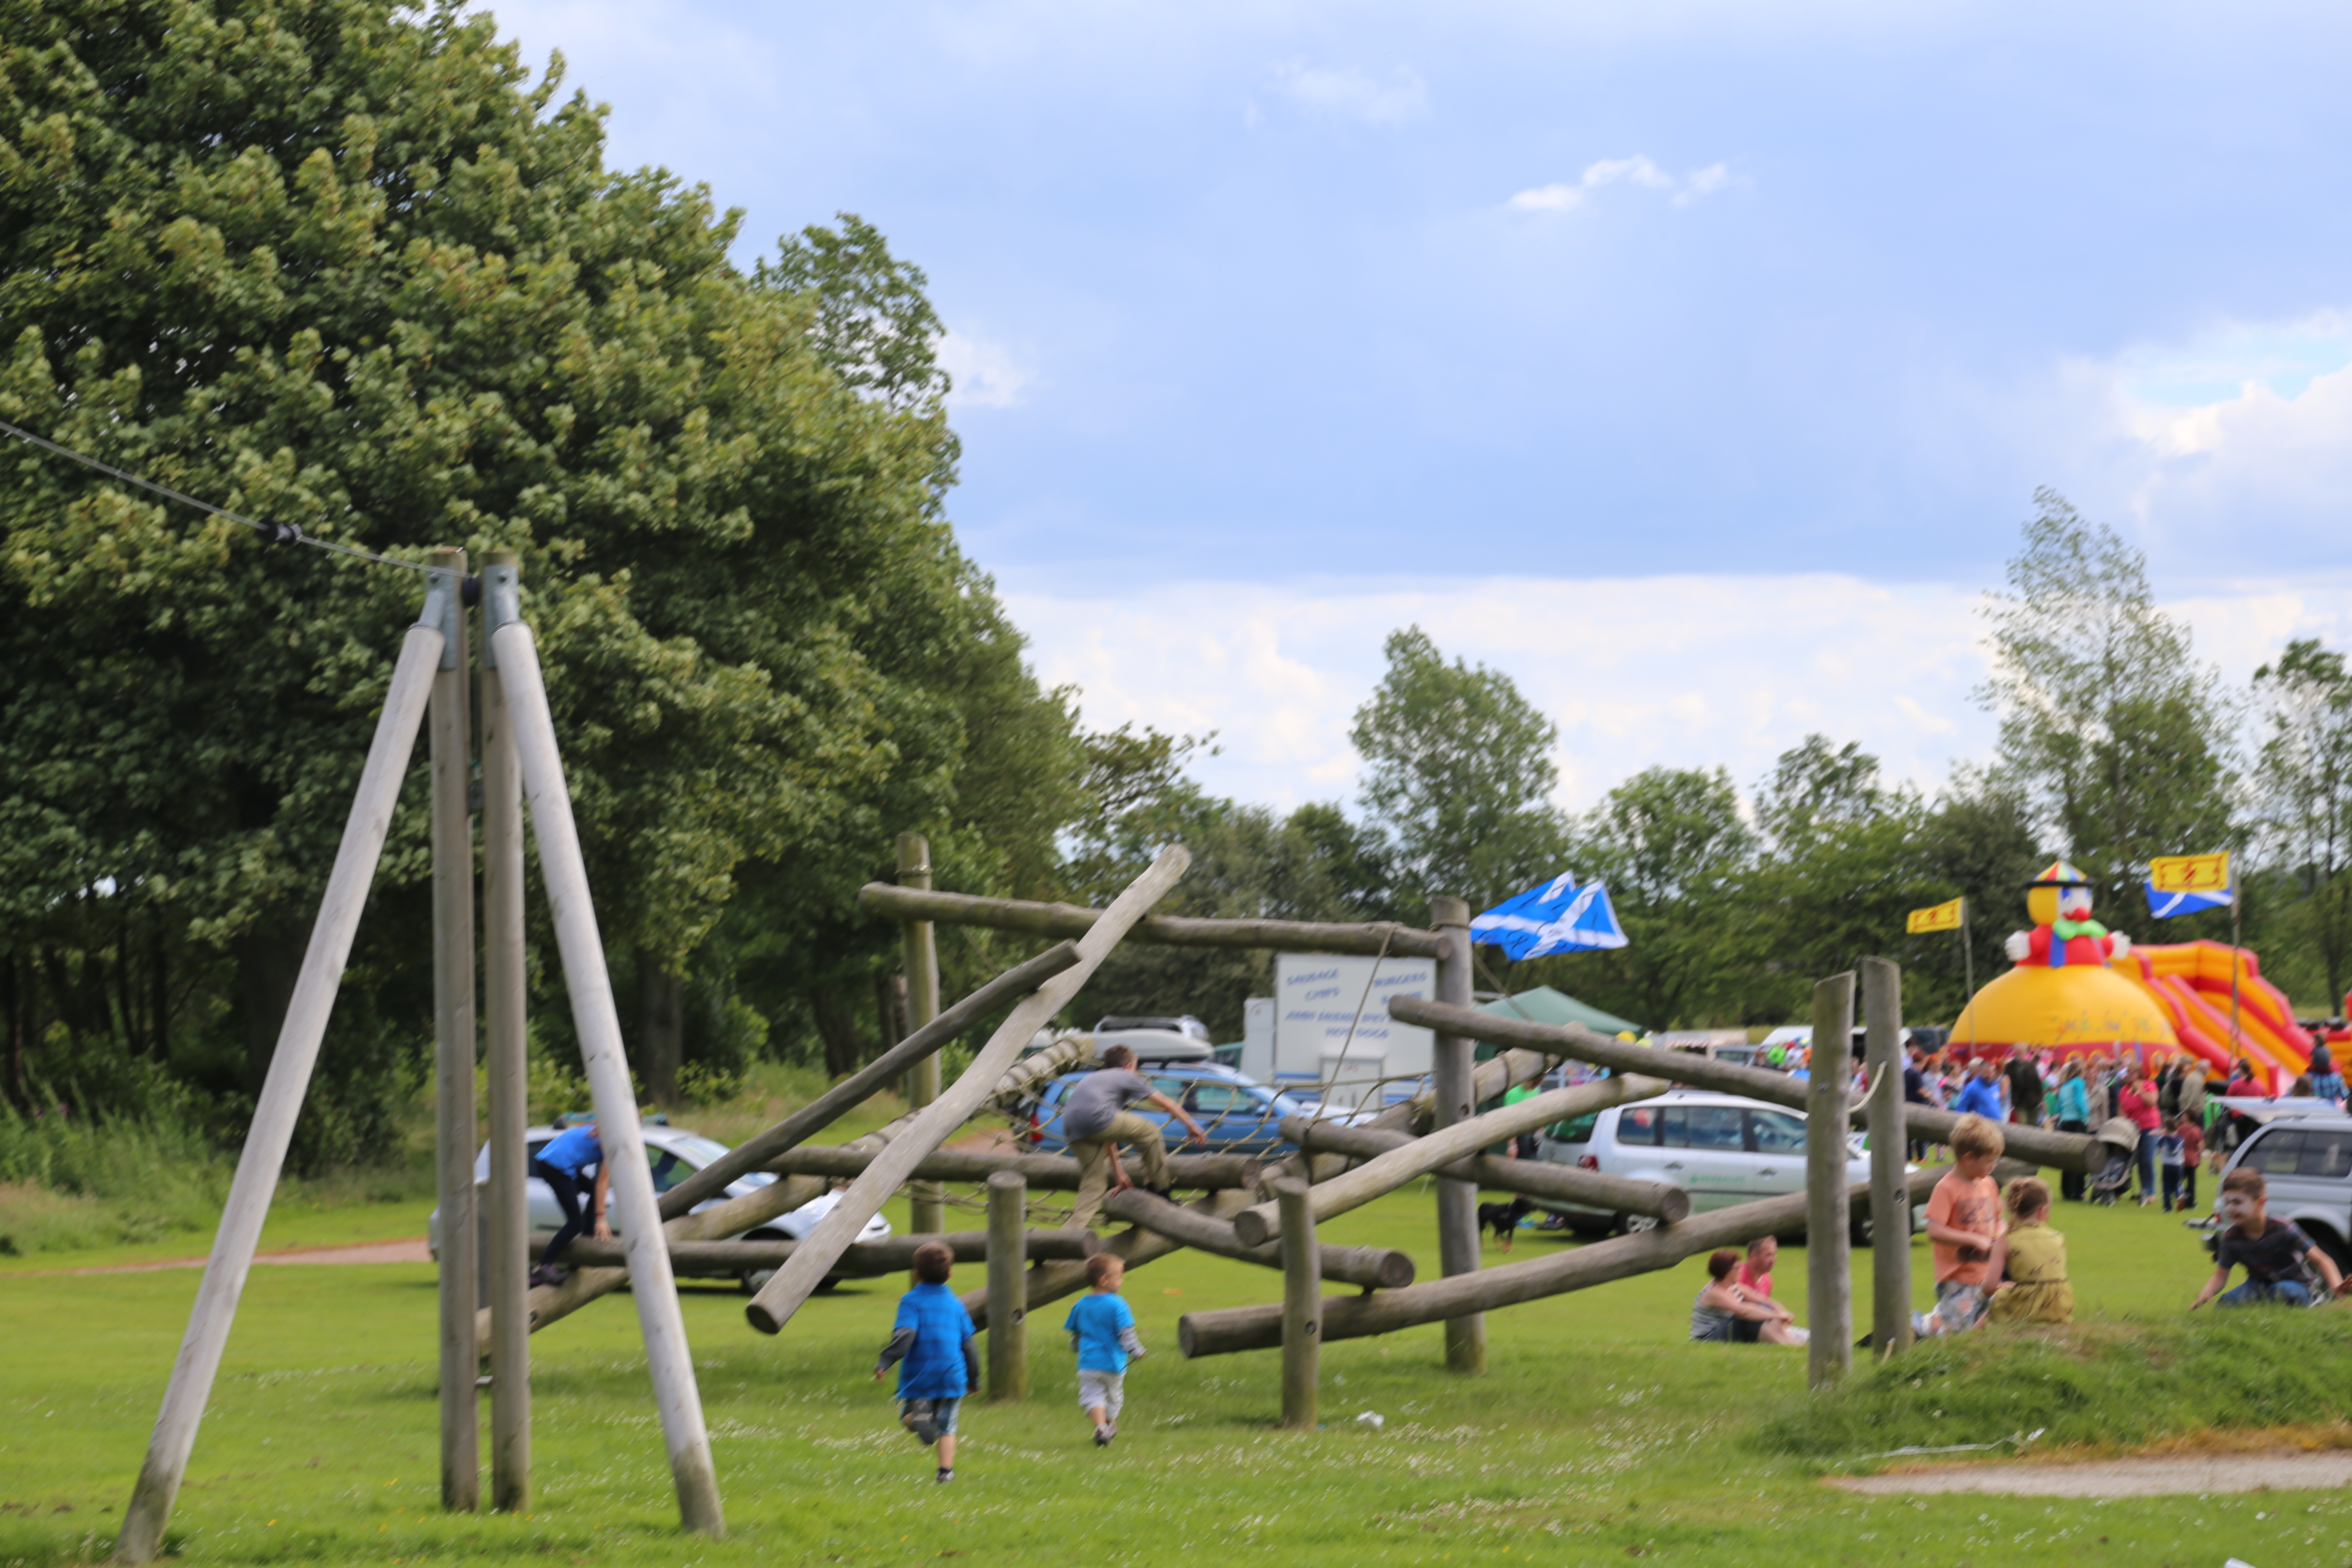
{"x":2078,"y":987}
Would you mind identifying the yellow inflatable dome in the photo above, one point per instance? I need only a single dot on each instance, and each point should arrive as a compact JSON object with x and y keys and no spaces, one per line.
{"x":2082,"y":1007}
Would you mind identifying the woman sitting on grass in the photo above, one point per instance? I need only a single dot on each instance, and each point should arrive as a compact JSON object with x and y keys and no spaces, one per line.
{"x":1722,"y":1302}
{"x":2035,"y":1257}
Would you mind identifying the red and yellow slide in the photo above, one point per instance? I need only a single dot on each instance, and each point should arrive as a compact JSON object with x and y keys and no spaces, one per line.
{"x":2191,"y":981}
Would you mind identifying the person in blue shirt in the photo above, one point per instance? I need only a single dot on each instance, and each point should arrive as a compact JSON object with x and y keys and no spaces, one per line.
{"x":1102,"y":1330}
{"x":563,"y":1164}
{"x":931,"y":1341}
{"x":2327,"y":1083}
{"x":1981,"y":1095}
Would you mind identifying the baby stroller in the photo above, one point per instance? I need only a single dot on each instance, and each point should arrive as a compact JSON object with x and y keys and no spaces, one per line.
{"x":2119,"y":1139}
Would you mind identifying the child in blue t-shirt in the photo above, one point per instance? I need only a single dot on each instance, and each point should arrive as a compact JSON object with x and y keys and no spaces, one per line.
{"x":1102,"y":1330}
{"x":933,"y":1338}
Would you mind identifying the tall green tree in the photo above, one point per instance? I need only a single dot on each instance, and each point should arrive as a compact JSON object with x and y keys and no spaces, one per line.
{"x":2305,"y":785}
{"x":1674,"y":848}
{"x":2113,"y":732}
{"x":1458,"y":773}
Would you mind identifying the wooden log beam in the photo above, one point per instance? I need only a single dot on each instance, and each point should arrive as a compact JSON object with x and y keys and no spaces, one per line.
{"x":1829,"y":1261}
{"x":1385,"y":1173}
{"x":1302,"y":1295}
{"x":791,"y":1285}
{"x":758,"y":1152}
{"x":1008,"y":1259}
{"x":2064,"y":1150}
{"x":1890,"y":1214}
{"x":1056,"y":1173}
{"x":1033,"y":918}
{"x":865,"y":1259}
{"x":1231,"y":1328}
{"x":1374,"y":1267}
{"x":1534,"y":1178}
{"x":1051,"y":1282}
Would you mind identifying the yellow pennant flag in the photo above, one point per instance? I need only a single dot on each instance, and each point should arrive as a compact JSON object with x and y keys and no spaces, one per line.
{"x":2189,"y":873}
{"x":1943,"y":917}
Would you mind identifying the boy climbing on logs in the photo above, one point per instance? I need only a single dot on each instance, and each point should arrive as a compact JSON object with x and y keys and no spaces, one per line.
{"x":1963,"y":1224}
{"x":1096,"y":1121}
{"x":933,"y":1337}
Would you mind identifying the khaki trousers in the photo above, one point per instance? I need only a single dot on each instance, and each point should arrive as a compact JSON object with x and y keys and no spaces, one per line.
{"x":1094,"y":1162}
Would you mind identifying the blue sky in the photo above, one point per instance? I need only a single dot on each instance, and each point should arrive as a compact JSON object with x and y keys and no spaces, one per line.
{"x":1695,"y":363}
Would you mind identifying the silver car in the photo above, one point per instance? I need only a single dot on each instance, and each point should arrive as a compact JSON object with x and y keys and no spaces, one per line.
{"x":1722,"y":1149}
{"x":2306,"y":1158}
{"x":674,"y":1154}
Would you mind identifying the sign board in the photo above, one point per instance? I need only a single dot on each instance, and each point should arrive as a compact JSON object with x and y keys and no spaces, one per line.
{"x":1316,"y":1000}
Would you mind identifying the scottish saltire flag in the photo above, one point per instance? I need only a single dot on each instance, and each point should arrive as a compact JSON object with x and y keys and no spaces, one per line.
{"x":2184,"y":884}
{"x":1558,"y":917}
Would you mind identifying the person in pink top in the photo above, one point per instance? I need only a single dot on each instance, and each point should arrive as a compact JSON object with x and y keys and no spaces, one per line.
{"x":1753,"y":1276}
{"x":2137,"y":1101}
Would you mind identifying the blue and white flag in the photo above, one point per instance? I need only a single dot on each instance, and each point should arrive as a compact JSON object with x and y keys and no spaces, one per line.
{"x":2184,"y":884}
{"x":1558,"y":917}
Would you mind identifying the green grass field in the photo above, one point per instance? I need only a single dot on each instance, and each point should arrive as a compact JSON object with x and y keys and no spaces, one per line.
{"x":1599,"y":1432}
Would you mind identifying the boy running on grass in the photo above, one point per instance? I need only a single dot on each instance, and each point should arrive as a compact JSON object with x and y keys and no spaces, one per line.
{"x":1963,"y":1223}
{"x":1102,"y":1330}
{"x":933,"y":1340}
{"x":2279,"y":1258}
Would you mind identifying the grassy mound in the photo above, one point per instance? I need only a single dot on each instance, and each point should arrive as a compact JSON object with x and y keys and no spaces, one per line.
{"x":2113,"y":1384}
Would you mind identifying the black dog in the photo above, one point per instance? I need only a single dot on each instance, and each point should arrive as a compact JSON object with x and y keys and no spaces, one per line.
{"x":1503,"y":1219}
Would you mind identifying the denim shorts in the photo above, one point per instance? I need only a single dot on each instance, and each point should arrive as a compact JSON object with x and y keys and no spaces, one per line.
{"x":2259,"y":1293}
{"x":942,"y":1412}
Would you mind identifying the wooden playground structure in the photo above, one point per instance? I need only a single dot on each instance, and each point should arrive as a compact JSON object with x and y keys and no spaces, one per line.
{"x":1258,"y":1212}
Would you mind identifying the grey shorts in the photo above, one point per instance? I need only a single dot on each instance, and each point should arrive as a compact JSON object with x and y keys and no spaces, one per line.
{"x":942,"y":1412}
{"x":1107,"y":1389}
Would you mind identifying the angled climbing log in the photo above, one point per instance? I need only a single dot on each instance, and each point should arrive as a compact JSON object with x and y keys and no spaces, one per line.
{"x":792,"y":1284}
{"x":2064,"y":1150}
{"x":1381,"y":1268}
{"x":1057,"y":1172}
{"x":1385,"y":1173}
{"x":1534,"y":1178}
{"x":864,"y":1260}
{"x":1258,"y":1328}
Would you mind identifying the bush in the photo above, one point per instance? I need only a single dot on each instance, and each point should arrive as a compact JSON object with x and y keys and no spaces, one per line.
{"x":2115,"y":1383}
{"x":67,"y":1180}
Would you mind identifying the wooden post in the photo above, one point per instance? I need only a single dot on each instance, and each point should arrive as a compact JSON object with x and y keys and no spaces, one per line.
{"x":1302,"y":1308}
{"x":1008,"y":1255}
{"x":1890,"y":1141}
{"x":264,"y":1158}
{"x":452,"y":746}
{"x":933,"y":1125}
{"x":505,"y":1023}
{"x":598,"y":1022}
{"x":926,"y":1210}
{"x":1828,"y":1257}
{"x":1457,"y":1201}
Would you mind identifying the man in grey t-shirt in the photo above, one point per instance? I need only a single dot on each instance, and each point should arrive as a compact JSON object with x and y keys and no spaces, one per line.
{"x":1096,"y":1121}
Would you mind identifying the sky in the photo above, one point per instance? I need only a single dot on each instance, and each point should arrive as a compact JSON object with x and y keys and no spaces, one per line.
{"x":1694,"y":363}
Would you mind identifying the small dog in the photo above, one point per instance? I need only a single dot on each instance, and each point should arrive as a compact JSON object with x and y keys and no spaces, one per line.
{"x":1503,"y":1219}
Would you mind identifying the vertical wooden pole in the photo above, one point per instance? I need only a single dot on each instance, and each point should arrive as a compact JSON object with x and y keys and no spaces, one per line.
{"x":1008,"y":1255}
{"x":1890,"y":1142}
{"x":504,"y":1021}
{"x":1829,"y":1257}
{"x":564,"y":873}
{"x":1451,"y":1076}
{"x":1302,"y":1308}
{"x":280,"y":1103}
{"x":453,"y":1053}
{"x":926,"y":1211}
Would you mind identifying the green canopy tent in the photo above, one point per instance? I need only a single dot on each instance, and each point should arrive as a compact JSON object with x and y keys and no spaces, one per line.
{"x":1544,"y":1005}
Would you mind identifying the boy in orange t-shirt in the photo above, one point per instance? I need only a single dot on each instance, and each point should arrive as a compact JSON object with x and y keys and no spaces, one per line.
{"x":1963,"y":1223}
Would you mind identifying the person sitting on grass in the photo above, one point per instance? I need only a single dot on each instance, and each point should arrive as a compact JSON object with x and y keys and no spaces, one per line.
{"x":932,"y":1337}
{"x":2280,"y":1260}
{"x":1721,"y":1303}
{"x":1754,"y":1277}
{"x":1964,"y":1224}
{"x":2033,"y":1257}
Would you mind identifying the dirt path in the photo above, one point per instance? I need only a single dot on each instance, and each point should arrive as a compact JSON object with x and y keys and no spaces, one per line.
{"x":410,"y":1251}
{"x":2154,"y":1476}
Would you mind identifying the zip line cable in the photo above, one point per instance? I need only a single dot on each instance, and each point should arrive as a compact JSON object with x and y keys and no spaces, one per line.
{"x":274,"y":532}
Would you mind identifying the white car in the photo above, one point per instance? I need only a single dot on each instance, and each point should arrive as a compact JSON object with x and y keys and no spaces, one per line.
{"x":674,"y":1154}
{"x":1722,"y":1149}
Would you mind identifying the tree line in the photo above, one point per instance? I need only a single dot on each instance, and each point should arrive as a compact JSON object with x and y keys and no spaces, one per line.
{"x":358,"y":269}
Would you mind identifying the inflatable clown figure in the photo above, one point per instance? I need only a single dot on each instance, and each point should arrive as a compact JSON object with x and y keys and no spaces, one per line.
{"x":2058,"y":901}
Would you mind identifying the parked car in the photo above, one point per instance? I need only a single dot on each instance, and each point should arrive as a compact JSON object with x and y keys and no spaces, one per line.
{"x":1722,"y":1149}
{"x":2306,"y":1158}
{"x":1240,"y":1115}
{"x":674,"y":1154}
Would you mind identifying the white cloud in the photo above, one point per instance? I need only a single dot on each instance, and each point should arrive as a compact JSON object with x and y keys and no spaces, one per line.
{"x":985,"y":374}
{"x":1351,"y":94}
{"x":1684,"y":671}
{"x":1635,"y":171}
